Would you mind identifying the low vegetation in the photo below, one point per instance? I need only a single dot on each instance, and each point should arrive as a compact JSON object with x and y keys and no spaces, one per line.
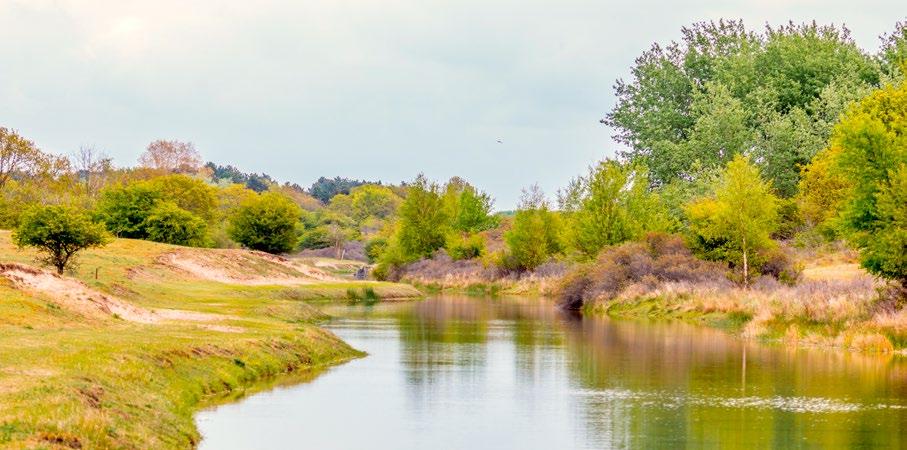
{"x":120,"y":354}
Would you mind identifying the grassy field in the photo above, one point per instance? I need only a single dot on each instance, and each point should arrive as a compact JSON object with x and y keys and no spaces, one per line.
{"x":74,"y":375}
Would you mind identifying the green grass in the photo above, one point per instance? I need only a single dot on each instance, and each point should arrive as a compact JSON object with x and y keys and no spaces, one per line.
{"x":72,"y":381}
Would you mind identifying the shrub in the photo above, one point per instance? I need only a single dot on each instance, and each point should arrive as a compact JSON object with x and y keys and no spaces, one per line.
{"x":171,"y":224}
{"x":781,"y":266}
{"x":657,"y":258}
{"x":465,"y":247}
{"x":374,"y":248}
{"x":315,"y":238}
{"x":59,"y":233}
{"x":267,"y":223}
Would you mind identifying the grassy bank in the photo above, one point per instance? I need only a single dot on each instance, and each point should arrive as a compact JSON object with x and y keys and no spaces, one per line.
{"x":121,"y":353}
{"x":853,"y":311}
{"x":817,"y":298}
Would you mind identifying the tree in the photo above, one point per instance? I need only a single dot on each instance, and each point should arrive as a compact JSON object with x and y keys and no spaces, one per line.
{"x":534,"y":236}
{"x":171,"y":157}
{"x":423,"y":221}
{"x":189,"y":193}
{"x":92,"y":167}
{"x":872,"y":138}
{"x":823,"y":190}
{"x":59,"y":233}
{"x":473,"y":212}
{"x":722,"y":90}
{"x":124,"y":209}
{"x":18,"y":156}
{"x":372,"y":200}
{"x":170,"y":224}
{"x":267,"y":223}
{"x":613,"y":205}
{"x":742,"y":214}
{"x":893,"y":54}
{"x":326,"y":188}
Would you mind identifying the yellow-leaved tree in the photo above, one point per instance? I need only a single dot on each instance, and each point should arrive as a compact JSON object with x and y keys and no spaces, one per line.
{"x":737,"y":220}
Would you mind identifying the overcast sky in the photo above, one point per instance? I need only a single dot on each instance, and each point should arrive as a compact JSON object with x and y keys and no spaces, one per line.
{"x":365,"y":89}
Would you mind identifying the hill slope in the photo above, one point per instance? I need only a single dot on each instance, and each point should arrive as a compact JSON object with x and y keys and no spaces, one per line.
{"x":120,"y":353}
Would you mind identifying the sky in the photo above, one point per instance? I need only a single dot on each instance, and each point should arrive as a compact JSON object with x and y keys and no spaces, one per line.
{"x":377,"y":90}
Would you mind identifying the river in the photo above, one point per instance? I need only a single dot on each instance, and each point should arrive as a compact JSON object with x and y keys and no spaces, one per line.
{"x":470,"y":373}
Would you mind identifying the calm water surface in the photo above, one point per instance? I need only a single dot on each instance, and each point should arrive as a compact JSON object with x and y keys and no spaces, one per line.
{"x":466,"y":373}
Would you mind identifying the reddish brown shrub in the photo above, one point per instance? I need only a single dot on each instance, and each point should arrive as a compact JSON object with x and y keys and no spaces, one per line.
{"x":657,"y":258}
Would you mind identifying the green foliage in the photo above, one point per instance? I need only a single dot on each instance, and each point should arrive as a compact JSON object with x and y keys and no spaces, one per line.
{"x":722,"y":90}
{"x":267,"y":223}
{"x":170,"y":224}
{"x":190,"y":194}
{"x":823,"y":189}
{"x":375,"y":248}
{"x":124,"y":209}
{"x":326,"y":188}
{"x":535,"y":234}
{"x":423,"y":221}
{"x":893,"y":54}
{"x":739,"y":219}
{"x":468,"y":246}
{"x":372,"y":200}
{"x":613,"y":204}
{"x":232,"y":175}
{"x":872,"y":139}
{"x":473,"y":213}
{"x":59,"y":233}
{"x":151,"y":210}
{"x":315,"y":238}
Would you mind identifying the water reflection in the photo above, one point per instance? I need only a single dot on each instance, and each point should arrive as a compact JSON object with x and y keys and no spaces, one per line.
{"x":453,"y":372}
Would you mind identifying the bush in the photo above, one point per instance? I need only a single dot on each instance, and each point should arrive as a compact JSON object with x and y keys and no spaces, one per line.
{"x":315,"y":239}
{"x":374,"y":248}
{"x":465,"y":247}
{"x":267,"y":223}
{"x":780,"y":266}
{"x":658,"y":258}
{"x":59,"y":233}
{"x":124,"y":209}
{"x":171,"y":224}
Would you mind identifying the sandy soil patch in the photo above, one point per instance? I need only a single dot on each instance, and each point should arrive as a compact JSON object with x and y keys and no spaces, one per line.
{"x":243,"y":267}
{"x":75,"y":296}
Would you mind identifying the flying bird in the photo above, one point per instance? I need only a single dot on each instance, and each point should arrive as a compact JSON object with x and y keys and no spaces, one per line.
{"x":500,"y":141}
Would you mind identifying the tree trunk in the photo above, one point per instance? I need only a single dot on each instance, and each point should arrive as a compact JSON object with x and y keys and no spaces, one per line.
{"x":746,"y":267}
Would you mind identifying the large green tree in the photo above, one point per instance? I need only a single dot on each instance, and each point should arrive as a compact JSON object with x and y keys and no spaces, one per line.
{"x":872,"y":139}
{"x":722,"y":89}
{"x":423,"y":221}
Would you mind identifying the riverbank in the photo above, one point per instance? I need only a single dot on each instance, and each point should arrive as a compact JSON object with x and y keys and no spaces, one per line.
{"x":827,"y":300}
{"x":817,"y":297}
{"x":121,"y":353}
